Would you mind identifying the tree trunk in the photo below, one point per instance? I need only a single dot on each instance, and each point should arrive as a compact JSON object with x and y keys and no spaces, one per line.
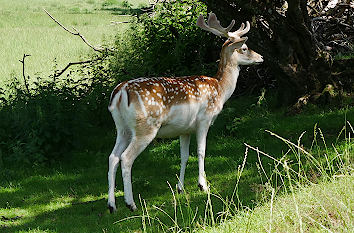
{"x":288,"y":44}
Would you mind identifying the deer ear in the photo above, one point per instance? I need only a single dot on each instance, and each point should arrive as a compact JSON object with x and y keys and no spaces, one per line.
{"x":238,"y":43}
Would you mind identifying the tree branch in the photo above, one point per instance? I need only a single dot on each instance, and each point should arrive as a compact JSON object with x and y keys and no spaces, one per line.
{"x":23,"y":71}
{"x":114,"y":22}
{"x":58,"y":73}
{"x":77,"y":33}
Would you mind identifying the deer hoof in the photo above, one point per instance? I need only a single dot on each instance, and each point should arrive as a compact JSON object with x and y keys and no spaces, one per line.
{"x":112,"y":209}
{"x":132,"y":207}
{"x":180,"y":191}
{"x":202,"y":188}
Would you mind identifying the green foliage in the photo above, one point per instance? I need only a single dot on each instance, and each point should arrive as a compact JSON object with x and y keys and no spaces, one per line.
{"x":341,"y":56}
{"x":126,"y":4}
{"x":165,"y":42}
{"x":46,"y":122}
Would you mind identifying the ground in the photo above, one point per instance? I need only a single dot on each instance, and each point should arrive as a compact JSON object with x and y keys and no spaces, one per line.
{"x":70,"y":196}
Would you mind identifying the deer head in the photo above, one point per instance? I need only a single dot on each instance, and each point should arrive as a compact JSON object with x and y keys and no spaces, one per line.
{"x":234,"y":51}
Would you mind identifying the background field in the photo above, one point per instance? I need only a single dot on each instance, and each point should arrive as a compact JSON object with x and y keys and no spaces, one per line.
{"x":25,"y":28}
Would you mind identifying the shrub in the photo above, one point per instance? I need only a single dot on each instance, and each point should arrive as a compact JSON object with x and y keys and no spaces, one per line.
{"x":43,"y":124}
{"x":166,"y":42}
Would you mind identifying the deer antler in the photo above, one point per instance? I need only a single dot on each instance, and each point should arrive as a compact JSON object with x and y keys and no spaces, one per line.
{"x":241,"y":31}
{"x":214,"y":27}
{"x":213,"y":22}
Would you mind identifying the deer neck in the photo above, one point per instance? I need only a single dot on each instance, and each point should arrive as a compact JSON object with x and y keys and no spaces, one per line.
{"x":227,"y":76}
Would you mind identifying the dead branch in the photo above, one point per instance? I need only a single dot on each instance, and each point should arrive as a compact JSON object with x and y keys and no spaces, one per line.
{"x":332,"y":25}
{"x":114,"y":22}
{"x":332,"y":20}
{"x":87,"y":202}
{"x":23,"y":71}
{"x":4,"y":218}
{"x":150,"y":9}
{"x":58,"y":73}
{"x":77,"y":33}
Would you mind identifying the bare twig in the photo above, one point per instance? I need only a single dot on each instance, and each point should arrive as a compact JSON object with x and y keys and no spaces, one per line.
{"x":23,"y":71}
{"x":151,"y":7}
{"x":87,"y":202}
{"x":77,"y":33}
{"x":58,"y":73}
{"x":4,"y":218}
{"x":114,"y":22}
{"x":336,"y":21}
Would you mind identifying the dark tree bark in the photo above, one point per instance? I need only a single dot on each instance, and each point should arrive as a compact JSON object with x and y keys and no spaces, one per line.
{"x":285,"y":38}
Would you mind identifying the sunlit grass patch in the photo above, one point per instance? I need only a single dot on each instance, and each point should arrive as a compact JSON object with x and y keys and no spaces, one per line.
{"x":26,"y":29}
{"x":240,"y":189}
{"x":323,"y":207}
{"x":49,"y":45}
{"x":298,"y":191}
{"x":13,"y":216}
{"x":295,"y":200}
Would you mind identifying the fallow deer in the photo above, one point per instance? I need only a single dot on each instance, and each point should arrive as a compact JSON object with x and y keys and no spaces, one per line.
{"x":146,"y":108}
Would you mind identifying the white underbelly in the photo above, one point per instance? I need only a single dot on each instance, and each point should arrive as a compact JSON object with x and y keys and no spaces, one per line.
{"x":181,"y":119}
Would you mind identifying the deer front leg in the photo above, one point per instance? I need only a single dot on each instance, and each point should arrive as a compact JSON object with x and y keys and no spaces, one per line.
{"x":136,"y":146}
{"x":121,"y":144}
{"x":184,"y":147}
{"x":201,"y":141}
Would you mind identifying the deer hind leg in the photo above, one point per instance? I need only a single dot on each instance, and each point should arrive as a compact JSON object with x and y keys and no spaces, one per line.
{"x":184,"y":147}
{"x":122,"y":141}
{"x":136,"y":146}
{"x":202,"y":132}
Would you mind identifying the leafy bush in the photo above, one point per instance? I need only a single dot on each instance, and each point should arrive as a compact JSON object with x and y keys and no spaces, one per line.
{"x":166,"y":42}
{"x":42,"y":124}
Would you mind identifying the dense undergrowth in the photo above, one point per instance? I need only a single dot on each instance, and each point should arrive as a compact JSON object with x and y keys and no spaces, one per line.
{"x":42,"y":123}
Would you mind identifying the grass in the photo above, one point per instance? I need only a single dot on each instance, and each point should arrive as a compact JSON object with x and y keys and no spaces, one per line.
{"x":25,"y":28}
{"x":71,"y":196}
{"x":325,"y":207}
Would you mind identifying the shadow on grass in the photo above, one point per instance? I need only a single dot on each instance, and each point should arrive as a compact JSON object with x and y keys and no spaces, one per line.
{"x":75,"y":201}
{"x":73,"y":198}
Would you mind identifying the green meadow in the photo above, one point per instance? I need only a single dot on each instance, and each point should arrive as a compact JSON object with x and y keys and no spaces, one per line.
{"x":26,"y":29}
